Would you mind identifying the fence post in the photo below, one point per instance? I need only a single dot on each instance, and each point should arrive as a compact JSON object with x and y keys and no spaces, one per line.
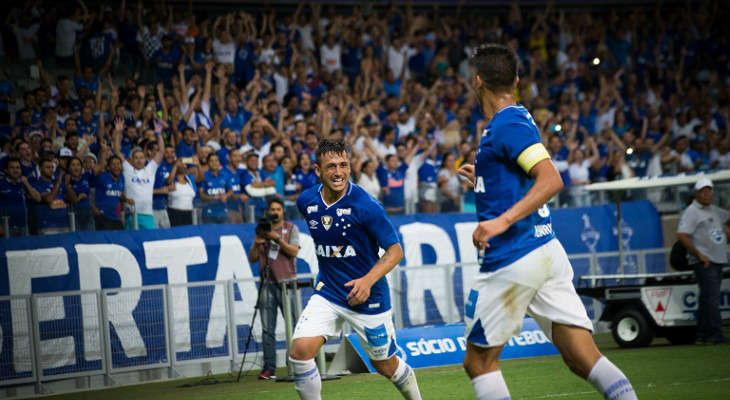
{"x":134,"y":218}
{"x":6,"y":226}
{"x":448,"y":274}
{"x":170,"y":321}
{"x":396,"y":298}
{"x":251,"y":213}
{"x":230,"y":321}
{"x":36,"y":339}
{"x":103,"y":314}
{"x":287,"y":319}
{"x":71,"y":221}
{"x":195,"y":216}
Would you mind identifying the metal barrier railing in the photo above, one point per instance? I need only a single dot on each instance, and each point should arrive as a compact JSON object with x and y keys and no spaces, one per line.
{"x":93,"y":332}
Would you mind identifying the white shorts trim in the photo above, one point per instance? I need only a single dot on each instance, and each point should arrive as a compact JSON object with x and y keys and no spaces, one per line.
{"x":539,"y":284}
{"x":324,"y":318}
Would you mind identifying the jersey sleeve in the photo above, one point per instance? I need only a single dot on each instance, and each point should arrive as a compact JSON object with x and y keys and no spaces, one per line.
{"x":378,"y":224}
{"x":687,"y":222}
{"x":301,"y":200}
{"x":518,"y":142}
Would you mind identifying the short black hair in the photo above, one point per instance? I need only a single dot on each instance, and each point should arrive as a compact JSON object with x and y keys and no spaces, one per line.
{"x":275,"y":200}
{"x":496,"y":65}
{"x":325,"y":146}
{"x":11,"y":160}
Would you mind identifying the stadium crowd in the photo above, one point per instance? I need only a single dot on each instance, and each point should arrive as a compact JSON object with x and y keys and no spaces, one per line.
{"x":155,"y":111}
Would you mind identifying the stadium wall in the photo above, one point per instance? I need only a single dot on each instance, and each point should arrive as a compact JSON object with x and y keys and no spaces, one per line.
{"x":138,"y":281}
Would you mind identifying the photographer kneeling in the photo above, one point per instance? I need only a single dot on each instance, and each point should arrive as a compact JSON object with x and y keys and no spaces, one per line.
{"x":275,"y":247}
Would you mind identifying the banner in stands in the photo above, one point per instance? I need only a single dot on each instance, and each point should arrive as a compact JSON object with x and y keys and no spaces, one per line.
{"x":102,"y":260}
{"x":446,"y":345}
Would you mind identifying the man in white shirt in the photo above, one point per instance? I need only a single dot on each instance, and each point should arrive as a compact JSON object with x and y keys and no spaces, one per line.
{"x":256,"y":145}
{"x":330,"y":54}
{"x":66,"y":30}
{"x":398,"y":54}
{"x":139,"y":179}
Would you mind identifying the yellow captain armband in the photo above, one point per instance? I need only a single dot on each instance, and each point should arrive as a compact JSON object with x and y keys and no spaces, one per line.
{"x":531,"y":156}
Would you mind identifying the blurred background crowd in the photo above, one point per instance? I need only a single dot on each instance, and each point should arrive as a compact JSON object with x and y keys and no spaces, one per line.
{"x":119,"y":115}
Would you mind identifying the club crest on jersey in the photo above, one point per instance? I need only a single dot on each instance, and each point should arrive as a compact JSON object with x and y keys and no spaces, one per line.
{"x":326,"y":222}
{"x":343,"y":211}
{"x":312,"y":209}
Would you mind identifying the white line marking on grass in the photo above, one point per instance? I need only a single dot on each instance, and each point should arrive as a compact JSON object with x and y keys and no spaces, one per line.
{"x":552,"y":396}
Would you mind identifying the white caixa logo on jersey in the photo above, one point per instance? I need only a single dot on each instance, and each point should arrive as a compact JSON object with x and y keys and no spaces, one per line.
{"x":312,"y":209}
{"x":335,"y":251}
{"x":343,"y":211}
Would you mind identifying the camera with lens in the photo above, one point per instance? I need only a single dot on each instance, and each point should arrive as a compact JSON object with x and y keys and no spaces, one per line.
{"x":264,"y":225}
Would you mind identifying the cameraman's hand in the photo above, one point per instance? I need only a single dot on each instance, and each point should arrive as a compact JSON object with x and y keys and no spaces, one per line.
{"x":259,"y":240}
{"x":271,"y":235}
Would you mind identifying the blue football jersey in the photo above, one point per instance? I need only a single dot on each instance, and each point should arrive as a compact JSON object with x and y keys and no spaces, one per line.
{"x":347,"y":236}
{"x":510,"y":146}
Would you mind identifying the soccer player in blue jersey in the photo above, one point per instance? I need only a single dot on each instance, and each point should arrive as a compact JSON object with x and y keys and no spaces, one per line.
{"x":524,"y":268}
{"x":348,"y":226}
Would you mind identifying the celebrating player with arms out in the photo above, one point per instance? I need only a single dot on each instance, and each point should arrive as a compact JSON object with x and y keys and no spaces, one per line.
{"x":348,"y":226}
{"x":524,"y":268}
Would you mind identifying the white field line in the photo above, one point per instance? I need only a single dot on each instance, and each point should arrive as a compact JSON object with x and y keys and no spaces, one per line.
{"x":650,"y":385}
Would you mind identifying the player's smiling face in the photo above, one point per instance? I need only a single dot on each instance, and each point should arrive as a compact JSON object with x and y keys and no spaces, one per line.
{"x":334,"y":172}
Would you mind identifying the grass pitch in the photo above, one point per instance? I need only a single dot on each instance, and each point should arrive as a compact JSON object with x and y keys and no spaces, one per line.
{"x":658,"y":372}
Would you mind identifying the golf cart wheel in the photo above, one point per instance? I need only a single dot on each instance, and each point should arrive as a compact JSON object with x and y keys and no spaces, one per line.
{"x":682,"y":335}
{"x":631,"y":329}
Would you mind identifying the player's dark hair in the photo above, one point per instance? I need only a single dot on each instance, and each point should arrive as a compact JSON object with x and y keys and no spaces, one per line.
{"x":325,"y":146}
{"x":496,"y":65}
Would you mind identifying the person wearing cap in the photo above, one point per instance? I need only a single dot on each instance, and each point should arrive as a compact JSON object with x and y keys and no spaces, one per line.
{"x":64,"y":155}
{"x":701,"y":232}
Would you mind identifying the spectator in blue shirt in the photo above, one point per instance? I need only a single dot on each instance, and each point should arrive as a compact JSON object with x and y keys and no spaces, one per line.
{"x":305,"y":175}
{"x":239,"y":197}
{"x":52,"y":211}
{"x":189,"y":145}
{"x":165,"y":60}
{"x":392,"y":179}
{"x":162,"y":188}
{"x":235,"y":117}
{"x":25,"y":155}
{"x":15,"y":190}
{"x":78,"y":192}
{"x":257,"y":184}
{"x":108,"y":195}
{"x":214,"y":192}
{"x":229,"y":143}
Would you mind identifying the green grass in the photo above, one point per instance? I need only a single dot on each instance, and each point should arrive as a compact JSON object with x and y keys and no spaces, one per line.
{"x":660,"y":372}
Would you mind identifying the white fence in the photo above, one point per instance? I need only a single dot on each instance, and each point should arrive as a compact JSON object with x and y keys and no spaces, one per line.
{"x":161,"y":334}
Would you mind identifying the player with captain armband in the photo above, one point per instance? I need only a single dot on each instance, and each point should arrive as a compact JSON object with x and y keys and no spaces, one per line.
{"x":524,"y":269}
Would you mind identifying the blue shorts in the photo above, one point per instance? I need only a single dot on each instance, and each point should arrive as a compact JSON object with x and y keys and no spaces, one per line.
{"x":144,"y":221}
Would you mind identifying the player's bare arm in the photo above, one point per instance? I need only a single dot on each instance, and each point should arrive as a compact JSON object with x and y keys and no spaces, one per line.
{"x":467,"y":171}
{"x":547,"y":184}
{"x":361,"y":287}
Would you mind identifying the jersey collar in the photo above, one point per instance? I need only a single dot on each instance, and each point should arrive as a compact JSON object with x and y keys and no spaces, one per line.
{"x":321,"y":196}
